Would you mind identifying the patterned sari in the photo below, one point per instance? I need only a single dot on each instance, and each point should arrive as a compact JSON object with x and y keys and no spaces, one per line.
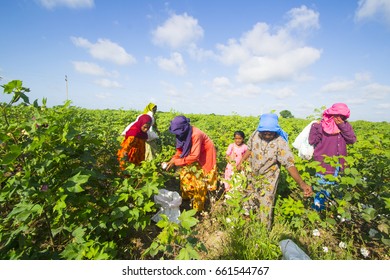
{"x":197,"y":157}
{"x":266,"y":159}
{"x":195,"y":182}
{"x":132,"y":150}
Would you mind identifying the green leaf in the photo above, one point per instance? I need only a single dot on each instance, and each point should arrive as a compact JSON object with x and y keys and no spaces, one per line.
{"x":188,"y":253}
{"x":331,"y":221}
{"x":13,"y":154}
{"x":347,"y":196}
{"x":78,"y":234}
{"x":152,"y":250}
{"x":164,"y":222}
{"x":134,"y":213}
{"x":9,"y":88}
{"x":122,"y":196}
{"x":348,"y":181}
{"x":73,"y":251}
{"x":119,"y":212}
{"x":55,"y":231}
{"x":187,"y":220}
{"x":148,"y":207}
{"x":387,"y":202}
{"x":386,"y":241}
{"x":60,"y":204}
{"x":369,"y":214}
{"x":383,"y":228}
{"x":74,"y":184}
{"x":24,"y":97}
{"x":165,"y":235}
{"x":38,"y":209}
{"x":24,"y":210}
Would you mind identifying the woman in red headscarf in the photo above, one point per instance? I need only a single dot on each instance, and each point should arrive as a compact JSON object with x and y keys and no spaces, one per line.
{"x":133,"y":146}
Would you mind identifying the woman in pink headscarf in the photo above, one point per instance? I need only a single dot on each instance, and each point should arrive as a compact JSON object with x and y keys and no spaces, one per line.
{"x":331,"y":135}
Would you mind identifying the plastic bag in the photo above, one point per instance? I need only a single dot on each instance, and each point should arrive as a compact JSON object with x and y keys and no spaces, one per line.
{"x":151,"y":135}
{"x":291,"y":251}
{"x":301,"y":143}
{"x":170,"y":203}
{"x":319,"y":200}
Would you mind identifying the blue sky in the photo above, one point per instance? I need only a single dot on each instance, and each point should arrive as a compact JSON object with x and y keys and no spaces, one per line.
{"x":248,"y":57}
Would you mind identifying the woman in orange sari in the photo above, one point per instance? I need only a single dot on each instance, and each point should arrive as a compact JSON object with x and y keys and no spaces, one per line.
{"x":194,"y":149}
{"x":133,"y":146}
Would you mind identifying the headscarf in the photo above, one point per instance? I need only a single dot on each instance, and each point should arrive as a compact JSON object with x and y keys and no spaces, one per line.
{"x":181,"y":127}
{"x":269,"y":122}
{"x":327,"y":122}
{"x":149,"y":108}
{"x":135,"y":129}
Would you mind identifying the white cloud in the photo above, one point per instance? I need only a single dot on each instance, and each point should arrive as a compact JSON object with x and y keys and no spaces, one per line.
{"x":283,"y":67}
{"x":106,"y":83}
{"x":105,"y":50}
{"x":147,"y":59}
{"x":282,"y":93}
{"x":259,"y":41}
{"x":103,"y":95}
{"x":198,"y":53}
{"x":178,"y":31}
{"x":338,"y":86}
{"x":221,"y":83}
{"x":383,"y":106}
{"x":303,"y":19}
{"x":225,"y":88}
{"x":357,"y":101}
{"x":376,"y":91}
{"x":270,"y":54}
{"x":89,"y":68}
{"x":170,"y":90}
{"x":233,"y":52}
{"x":363,"y":77}
{"x":74,"y":4}
{"x":174,"y":64}
{"x":248,"y":90}
{"x":372,"y":10}
{"x":360,"y":86}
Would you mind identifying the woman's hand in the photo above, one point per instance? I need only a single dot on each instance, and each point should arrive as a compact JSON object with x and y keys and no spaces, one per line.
{"x":307,"y":190}
{"x":170,"y":164}
{"x":338,"y":119}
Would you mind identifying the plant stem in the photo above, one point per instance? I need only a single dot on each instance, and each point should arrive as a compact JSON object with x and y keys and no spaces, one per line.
{"x":48,"y":225}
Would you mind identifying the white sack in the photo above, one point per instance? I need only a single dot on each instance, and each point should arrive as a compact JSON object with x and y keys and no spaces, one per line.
{"x":301,"y":143}
{"x":170,"y":203}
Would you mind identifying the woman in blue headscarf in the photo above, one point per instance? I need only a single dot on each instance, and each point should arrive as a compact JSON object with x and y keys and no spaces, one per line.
{"x":267,"y":150}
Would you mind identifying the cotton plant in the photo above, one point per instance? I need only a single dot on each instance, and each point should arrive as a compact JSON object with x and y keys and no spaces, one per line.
{"x":364,"y":252}
{"x":316,"y":232}
{"x":342,"y":219}
{"x":342,"y":245}
{"x":372,"y":232}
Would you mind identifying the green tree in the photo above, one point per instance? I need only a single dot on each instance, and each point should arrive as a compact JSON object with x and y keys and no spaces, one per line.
{"x":286,"y":114}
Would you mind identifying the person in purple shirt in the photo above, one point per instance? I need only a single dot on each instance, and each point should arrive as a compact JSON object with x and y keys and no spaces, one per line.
{"x":330,"y":137}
